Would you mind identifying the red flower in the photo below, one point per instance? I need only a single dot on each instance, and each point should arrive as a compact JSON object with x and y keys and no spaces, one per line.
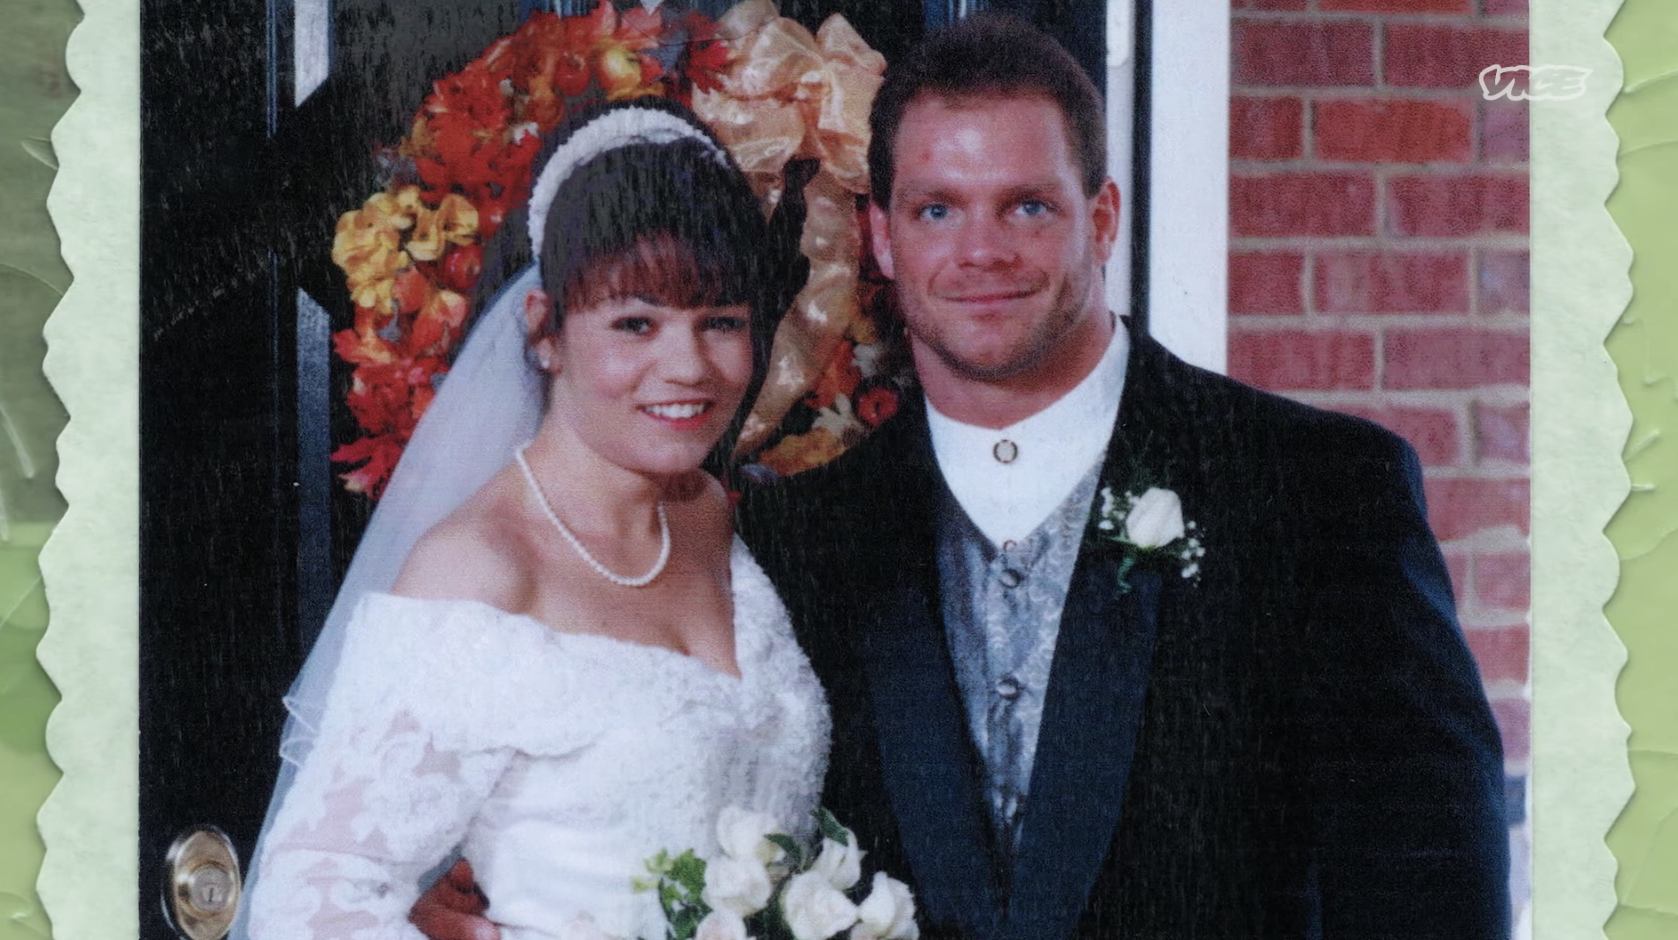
{"x":411,"y":290}
{"x":707,"y":58}
{"x":876,"y":406}
{"x":377,"y":456}
{"x":640,"y":22}
{"x":461,"y":267}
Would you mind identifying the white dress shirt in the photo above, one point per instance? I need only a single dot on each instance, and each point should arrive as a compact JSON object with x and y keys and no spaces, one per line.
{"x":1052,"y":451}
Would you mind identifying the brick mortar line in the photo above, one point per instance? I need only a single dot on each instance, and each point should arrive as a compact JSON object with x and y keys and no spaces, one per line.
{"x":1411,"y":320}
{"x":1438,"y":169}
{"x":1467,"y":615}
{"x":1490,"y":540}
{"x":1307,"y":289}
{"x":1349,"y":89}
{"x":1420,"y":398}
{"x":1315,"y":16}
{"x":1494,"y":242}
{"x":1378,"y":49}
{"x":1333,"y":322}
{"x":1492,"y":396}
{"x":1253,"y":165}
{"x":1478,"y":475}
{"x":1471,"y":93}
{"x":1307,"y":131}
{"x":1476,"y":288}
{"x":1378,"y":349}
{"x":1505,"y":622}
{"x":1511,"y":689}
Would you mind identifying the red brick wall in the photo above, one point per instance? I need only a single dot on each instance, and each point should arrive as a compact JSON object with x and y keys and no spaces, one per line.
{"x":1378,"y":265}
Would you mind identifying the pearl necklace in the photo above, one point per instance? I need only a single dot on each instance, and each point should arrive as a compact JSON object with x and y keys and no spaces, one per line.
{"x":604,"y":572}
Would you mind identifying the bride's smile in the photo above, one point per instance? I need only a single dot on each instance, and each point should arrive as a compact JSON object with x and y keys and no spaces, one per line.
{"x":648,"y":385}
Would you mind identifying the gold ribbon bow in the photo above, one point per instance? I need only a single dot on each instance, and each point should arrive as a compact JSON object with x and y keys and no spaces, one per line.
{"x":788,"y":95}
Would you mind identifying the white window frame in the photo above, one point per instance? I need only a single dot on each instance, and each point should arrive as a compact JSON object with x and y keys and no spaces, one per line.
{"x":1188,"y":185}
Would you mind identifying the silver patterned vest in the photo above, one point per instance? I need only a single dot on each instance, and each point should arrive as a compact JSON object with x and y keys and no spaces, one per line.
{"x":1001,"y":609}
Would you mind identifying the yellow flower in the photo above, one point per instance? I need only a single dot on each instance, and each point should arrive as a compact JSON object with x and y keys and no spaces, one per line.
{"x":454,"y":222}
{"x":368,"y":245}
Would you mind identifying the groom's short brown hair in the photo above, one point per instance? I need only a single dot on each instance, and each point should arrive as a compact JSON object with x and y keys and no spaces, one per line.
{"x":989,"y":55}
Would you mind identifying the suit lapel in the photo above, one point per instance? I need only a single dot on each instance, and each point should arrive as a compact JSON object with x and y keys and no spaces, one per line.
{"x":928,"y":759}
{"x":1097,"y":687}
{"x":1090,"y":718}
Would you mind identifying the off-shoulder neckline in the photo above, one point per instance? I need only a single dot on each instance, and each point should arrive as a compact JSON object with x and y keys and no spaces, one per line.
{"x":740,"y":563}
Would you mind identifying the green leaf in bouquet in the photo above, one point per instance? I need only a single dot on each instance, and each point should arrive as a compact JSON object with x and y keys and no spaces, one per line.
{"x":685,"y":922}
{"x":831,"y":827}
{"x":789,"y":845}
{"x":771,"y":922}
{"x":688,"y":870}
{"x":659,"y":864}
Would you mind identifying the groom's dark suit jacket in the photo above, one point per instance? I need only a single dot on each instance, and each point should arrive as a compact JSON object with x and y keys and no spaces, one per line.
{"x":1295,"y":744}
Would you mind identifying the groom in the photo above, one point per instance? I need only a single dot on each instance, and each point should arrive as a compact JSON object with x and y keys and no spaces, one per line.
{"x":1046,"y":733}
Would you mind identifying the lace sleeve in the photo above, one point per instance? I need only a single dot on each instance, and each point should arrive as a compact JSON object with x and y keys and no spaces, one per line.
{"x":387,"y":792}
{"x":368,"y":816}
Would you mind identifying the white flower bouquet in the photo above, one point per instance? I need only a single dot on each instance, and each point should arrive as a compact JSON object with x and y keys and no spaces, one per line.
{"x":767,"y":886}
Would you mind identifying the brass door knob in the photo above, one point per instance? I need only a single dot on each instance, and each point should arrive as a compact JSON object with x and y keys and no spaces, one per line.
{"x":202,"y":887}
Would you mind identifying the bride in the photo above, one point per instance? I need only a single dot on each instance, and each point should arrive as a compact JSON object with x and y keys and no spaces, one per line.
{"x":577,"y":664}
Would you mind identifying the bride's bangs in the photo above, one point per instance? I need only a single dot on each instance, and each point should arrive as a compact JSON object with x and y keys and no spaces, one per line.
{"x":664,"y":222}
{"x":659,"y":269}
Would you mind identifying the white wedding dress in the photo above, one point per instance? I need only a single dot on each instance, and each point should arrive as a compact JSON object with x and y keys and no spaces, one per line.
{"x":557,"y":763}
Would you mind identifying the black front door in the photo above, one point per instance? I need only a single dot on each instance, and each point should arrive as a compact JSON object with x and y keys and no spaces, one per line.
{"x":245,"y":530}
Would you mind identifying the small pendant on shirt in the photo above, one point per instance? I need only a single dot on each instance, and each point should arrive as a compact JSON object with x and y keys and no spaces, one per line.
{"x":1005,"y":451}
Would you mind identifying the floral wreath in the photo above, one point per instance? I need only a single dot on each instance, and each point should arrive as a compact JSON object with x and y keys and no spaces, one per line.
{"x":772,"y":92}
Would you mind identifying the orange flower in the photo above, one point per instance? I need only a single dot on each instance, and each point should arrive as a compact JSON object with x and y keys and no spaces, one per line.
{"x":362,"y":348}
{"x":620,"y":71}
{"x":841,"y":377}
{"x":438,"y":322}
{"x":800,"y":452}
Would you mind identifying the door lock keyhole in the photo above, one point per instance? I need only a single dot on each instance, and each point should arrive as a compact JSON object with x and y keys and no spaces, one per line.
{"x":202,"y":890}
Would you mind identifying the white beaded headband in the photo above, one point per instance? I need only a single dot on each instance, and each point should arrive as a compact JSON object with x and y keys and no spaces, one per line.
{"x":609,"y":131}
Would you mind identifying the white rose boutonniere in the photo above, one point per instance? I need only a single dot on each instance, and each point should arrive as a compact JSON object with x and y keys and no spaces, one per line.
{"x":1147,"y":526}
